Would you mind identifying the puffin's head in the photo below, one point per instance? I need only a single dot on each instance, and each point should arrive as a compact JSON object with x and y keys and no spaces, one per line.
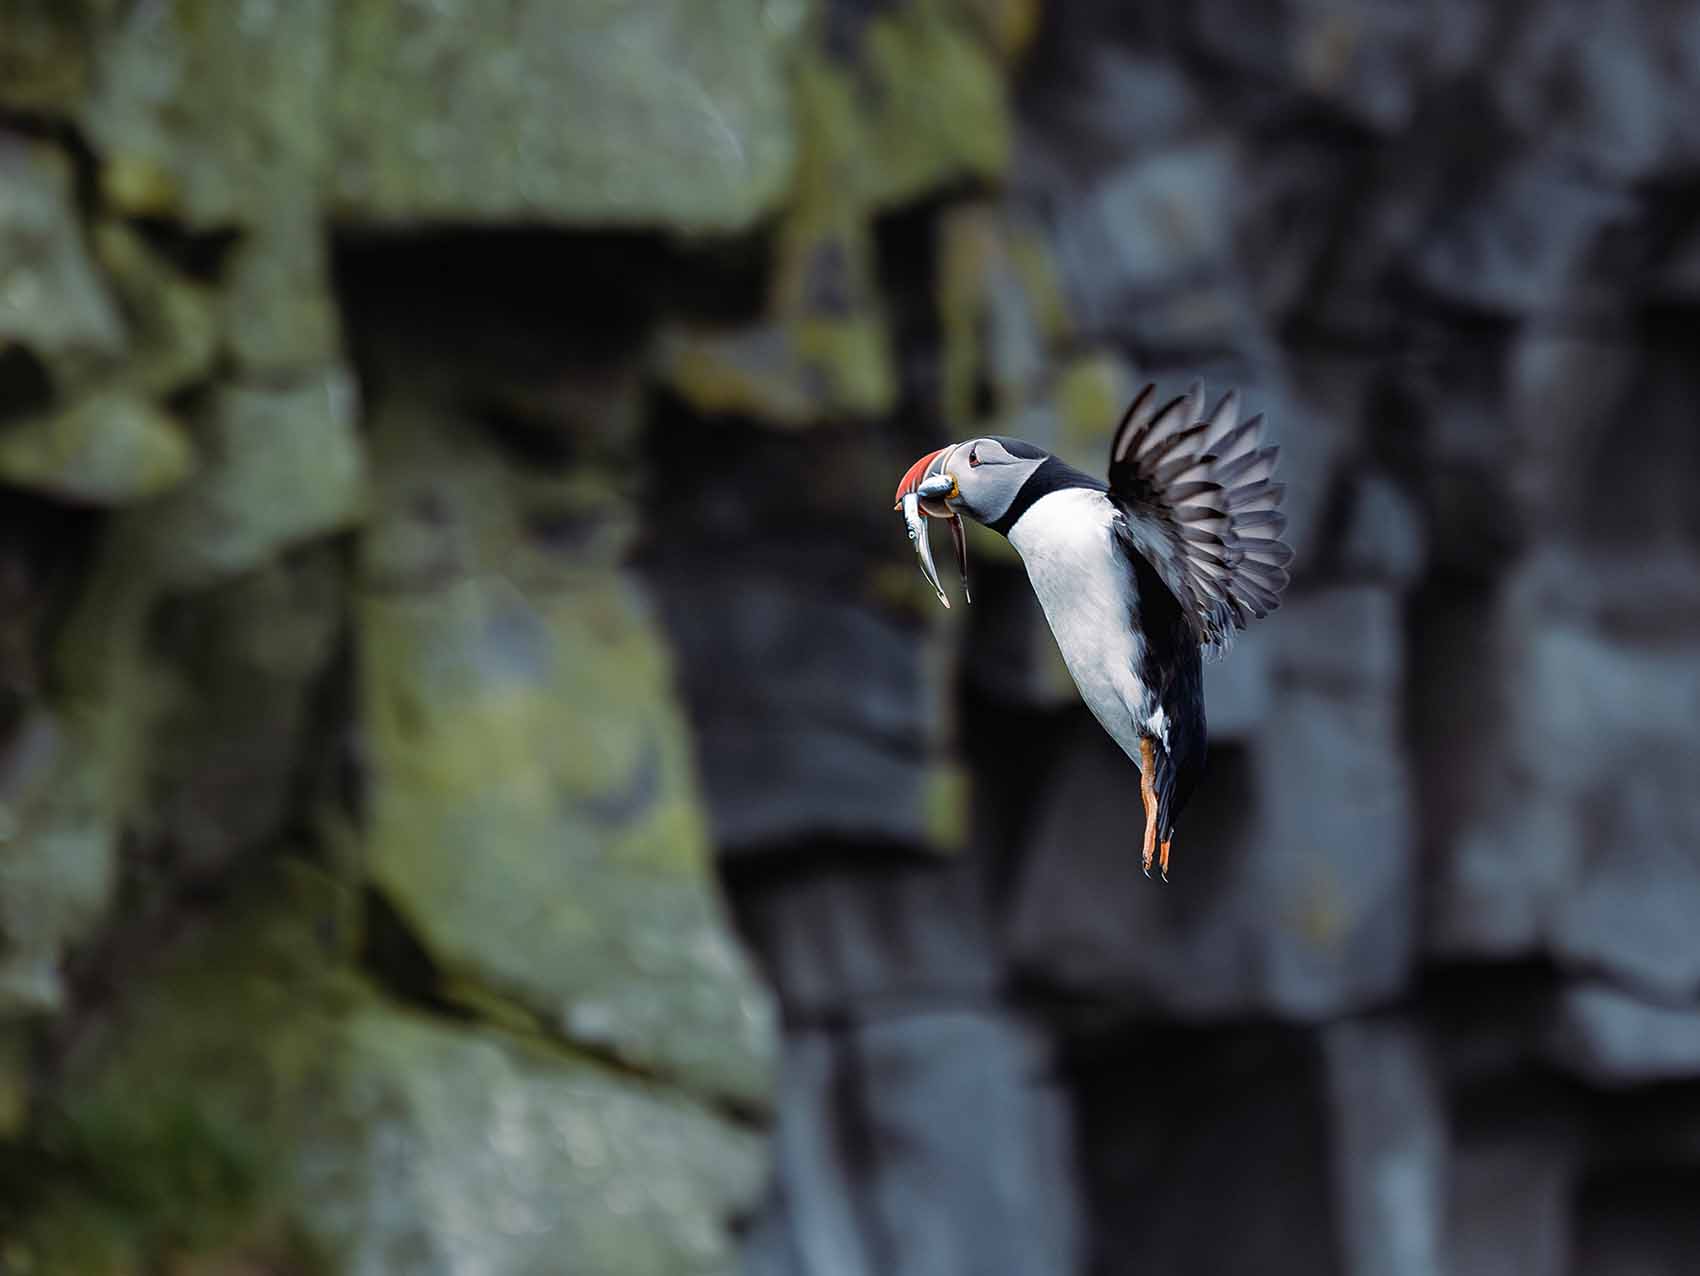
{"x":979,"y":478}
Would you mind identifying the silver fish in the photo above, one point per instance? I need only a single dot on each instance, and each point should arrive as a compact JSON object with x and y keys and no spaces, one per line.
{"x":960,"y":539}
{"x":917,"y":524}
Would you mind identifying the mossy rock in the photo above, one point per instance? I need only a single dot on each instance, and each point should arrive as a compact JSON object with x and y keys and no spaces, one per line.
{"x":935,"y":103}
{"x":802,"y":372}
{"x":1090,"y":395}
{"x":532,"y":811}
{"x":277,"y":312}
{"x":283,"y":464}
{"x":173,"y":319}
{"x":251,"y":1100}
{"x":915,"y":103}
{"x":1008,"y":26}
{"x":208,"y":117}
{"x":668,"y":113}
{"x":44,"y":51}
{"x":110,"y":448}
{"x":443,"y":1148}
{"x":171,"y":1128}
{"x":1001,"y":312}
{"x":53,"y":302}
{"x":822,"y":352}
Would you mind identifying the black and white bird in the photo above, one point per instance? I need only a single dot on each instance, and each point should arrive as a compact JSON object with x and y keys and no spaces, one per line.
{"x":1137,"y":576}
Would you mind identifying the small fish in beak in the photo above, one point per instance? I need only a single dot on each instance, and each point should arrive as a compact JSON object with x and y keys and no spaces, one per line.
{"x":923,"y":546}
{"x":959,"y":538}
{"x":922,"y":494}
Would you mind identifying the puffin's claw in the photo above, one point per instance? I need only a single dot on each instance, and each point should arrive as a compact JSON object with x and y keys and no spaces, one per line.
{"x":1148,"y":795}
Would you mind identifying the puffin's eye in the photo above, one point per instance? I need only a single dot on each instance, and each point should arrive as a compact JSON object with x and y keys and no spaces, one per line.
{"x":973,"y":457}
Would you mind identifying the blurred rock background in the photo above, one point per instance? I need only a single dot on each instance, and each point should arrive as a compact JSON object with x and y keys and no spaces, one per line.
{"x":483,"y":787}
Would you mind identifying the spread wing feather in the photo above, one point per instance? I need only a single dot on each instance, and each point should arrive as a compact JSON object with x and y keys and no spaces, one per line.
{"x":1198,"y":504}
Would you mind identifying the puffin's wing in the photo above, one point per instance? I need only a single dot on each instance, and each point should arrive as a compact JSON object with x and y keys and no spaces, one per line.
{"x":1198,"y":504}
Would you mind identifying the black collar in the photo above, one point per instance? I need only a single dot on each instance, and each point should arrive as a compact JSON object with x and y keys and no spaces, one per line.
{"x":1054,"y":475}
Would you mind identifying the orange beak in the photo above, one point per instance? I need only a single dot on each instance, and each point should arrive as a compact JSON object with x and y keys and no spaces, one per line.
{"x":912,"y":480}
{"x":940,"y":487}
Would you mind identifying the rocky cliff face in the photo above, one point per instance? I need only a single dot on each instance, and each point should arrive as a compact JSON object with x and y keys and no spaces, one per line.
{"x":444,"y":468}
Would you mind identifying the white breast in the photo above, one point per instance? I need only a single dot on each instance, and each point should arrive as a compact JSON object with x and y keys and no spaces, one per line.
{"x":1083,"y":584}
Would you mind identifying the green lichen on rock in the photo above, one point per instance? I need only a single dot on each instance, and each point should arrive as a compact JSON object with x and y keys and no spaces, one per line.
{"x":216,"y":118}
{"x":577,"y":112}
{"x":1007,"y":26}
{"x":937,"y":103}
{"x":281,"y":465}
{"x":1091,"y":392}
{"x":251,"y":1100}
{"x":52,"y":300}
{"x":532,"y":813}
{"x":171,"y":1131}
{"x":823,"y":351}
{"x":109,"y":448}
{"x":1001,"y":313}
{"x":173,"y":319}
{"x":918,"y":103}
{"x":277,"y":312}
{"x":44,"y":51}
{"x":212,"y":115}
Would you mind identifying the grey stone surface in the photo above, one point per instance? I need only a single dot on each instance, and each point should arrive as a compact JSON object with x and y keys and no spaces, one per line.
{"x":1205,"y":1151}
{"x":1385,"y":537}
{"x":447,"y":1151}
{"x":1143,"y":251}
{"x":923,"y":1142}
{"x":1372,"y":63}
{"x":1575,"y":838}
{"x":1390,"y":1153}
{"x":1611,"y":1037}
{"x":841,"y":937}
{"x":1510,"y":1196}
{"x":811,"y":711}
{"x":1520,"y":242}
{"x":1611,"y":92}
{"x":1639,"y":1225}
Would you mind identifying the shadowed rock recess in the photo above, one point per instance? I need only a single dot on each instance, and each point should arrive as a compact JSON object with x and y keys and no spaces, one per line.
{"x":484,"y":789}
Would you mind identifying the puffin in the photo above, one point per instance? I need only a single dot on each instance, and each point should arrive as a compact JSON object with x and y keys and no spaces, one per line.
{"x":1139,"y":575}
